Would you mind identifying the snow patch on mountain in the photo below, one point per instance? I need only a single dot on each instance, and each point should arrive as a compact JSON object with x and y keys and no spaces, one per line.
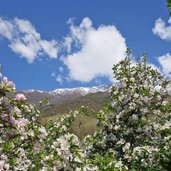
{"x":32,"y":90}
{"x":81,"y":90}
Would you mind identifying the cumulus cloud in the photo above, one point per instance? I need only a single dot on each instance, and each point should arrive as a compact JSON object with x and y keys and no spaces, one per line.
{"x":165,"y":62}
{"x":97,"y":50}
{"x":162,"y":30}
{"x":25,"y":40}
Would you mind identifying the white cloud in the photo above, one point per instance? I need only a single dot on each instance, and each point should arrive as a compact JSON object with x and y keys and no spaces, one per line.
{"x":165,"y":62}
{"x":98,"y":50}
{"x":6,"y":29}
{"x":61,"y":69}
{"x":160,"y":29}
{"x":67,"y":43}
{"x":27,"y":51}
{"x":50,"y":47}
{"x":25,"y":40}
{"x":59,"y":79}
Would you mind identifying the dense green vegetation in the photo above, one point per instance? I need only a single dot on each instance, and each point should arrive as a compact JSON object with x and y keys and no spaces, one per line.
{"x":169,"y":5}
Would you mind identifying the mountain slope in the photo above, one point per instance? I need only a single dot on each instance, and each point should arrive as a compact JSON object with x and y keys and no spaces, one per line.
{"x":59,"y":95}
{"x":95,"y":101}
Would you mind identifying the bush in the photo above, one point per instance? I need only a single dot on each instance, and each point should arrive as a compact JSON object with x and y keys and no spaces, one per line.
{"x":27,"y":145}
{"x":135,"y":129}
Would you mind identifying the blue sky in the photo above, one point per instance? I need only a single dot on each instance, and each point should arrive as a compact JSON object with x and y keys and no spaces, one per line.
{"x":57,"y":44}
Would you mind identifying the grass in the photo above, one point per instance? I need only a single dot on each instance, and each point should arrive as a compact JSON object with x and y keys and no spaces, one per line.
{"x":94,"y":101}
{"x":84,"y":125}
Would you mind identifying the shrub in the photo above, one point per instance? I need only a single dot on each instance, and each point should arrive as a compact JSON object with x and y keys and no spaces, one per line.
{"x":27,"y":145}
{"x":135,"y":129}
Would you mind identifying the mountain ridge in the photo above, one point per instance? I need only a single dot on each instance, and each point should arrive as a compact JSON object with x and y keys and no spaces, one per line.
{"x":58,"y":95}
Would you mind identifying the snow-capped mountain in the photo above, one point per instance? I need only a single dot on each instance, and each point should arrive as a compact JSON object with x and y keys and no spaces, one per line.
{"x":81,"y":90}
{"x":59,"y":95}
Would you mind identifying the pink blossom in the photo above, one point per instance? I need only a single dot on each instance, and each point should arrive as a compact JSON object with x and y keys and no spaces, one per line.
{"x":11,"y":133}
{"x":11,"y":85}
{"x":23,"y":122}
{"x":7,"y":83}
{"x":4,"y":116}
{"x":37,"y":147}
{"x":20,"y":97}
{"x":5,"y":80}
{"x":12,"y":120}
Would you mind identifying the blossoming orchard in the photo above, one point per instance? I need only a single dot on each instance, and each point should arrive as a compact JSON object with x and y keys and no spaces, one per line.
{"x":134,"y":130}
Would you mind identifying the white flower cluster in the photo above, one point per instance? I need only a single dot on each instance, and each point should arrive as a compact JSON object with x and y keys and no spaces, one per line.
{"x":135,"y":128}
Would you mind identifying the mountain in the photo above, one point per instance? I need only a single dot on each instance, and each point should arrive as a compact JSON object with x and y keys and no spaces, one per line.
{"x":95,"y":101}
{"x":59,"y":95}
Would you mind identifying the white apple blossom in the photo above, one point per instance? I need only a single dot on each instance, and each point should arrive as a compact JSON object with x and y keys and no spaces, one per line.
{"x":20,"y":97}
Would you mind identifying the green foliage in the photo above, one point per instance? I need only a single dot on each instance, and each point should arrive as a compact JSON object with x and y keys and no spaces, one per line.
{"x":169,"y":6}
